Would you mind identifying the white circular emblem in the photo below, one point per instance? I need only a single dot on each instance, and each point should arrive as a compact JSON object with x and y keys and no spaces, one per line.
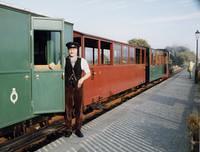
{"x":13,"y":96}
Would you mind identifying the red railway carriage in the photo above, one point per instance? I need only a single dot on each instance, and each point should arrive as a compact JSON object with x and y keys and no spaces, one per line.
{"x":115,"y":66}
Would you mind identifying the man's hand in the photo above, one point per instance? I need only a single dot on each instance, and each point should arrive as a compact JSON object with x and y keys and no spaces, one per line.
{"x":52,"y":66}
{"x":80,"y":82}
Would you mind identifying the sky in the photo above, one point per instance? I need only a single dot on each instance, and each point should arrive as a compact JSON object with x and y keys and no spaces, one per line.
{"x":161,"y":22}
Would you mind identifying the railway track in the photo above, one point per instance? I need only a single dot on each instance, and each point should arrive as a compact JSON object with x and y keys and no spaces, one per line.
{"x":41,"y":137}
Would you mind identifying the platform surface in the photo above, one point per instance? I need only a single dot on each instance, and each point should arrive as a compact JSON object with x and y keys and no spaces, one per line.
{"x":154,"y":121}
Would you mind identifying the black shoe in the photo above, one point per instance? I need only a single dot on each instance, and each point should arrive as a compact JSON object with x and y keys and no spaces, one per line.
{"x":79,"y":133}
{"x":67,"y":133}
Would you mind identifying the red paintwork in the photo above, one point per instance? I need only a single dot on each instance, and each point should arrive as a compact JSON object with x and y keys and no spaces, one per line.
{"x":108,"y":80}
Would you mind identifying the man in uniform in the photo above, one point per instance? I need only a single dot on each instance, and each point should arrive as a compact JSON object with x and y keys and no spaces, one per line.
{"x":76,"y":72}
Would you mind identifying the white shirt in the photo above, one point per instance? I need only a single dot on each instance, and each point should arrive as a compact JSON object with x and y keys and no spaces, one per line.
{"x":84,"y":64}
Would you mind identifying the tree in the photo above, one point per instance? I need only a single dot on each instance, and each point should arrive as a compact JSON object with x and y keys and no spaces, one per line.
{"x":139,"y":42}
{"x":180,"y":55}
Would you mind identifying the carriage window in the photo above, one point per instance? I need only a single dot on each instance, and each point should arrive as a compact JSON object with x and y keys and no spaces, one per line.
{"x":91,"y":51}
{"x":106,"y":55}
{"x":143,"y":55}
{"x":137,"y":56}
{"x":132,"y":54}
{"x":153,"y":57}
{"x":47,"y":47}
{"x":156,"y":57}
{"x":159,"y":58}
{"x":91,"y":55}
{"x":117,"y":53}
{"x":125,"y":54}
{"x":163,"y":58}
{"x":105,"y":52}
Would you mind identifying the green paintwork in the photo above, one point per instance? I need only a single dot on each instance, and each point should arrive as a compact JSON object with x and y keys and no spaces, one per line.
{"x":48,"y":93}
{"x":156,"y":72}
{"x":14,"y":66}
{"x":68,"y":32}
{"x":14,"y":38}
{"x":11,"y":113}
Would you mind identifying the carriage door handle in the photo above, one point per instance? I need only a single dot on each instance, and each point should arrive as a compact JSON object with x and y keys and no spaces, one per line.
{"x":93,"y":74}
{"x":63,"y":76}
{"x":37,"y":76}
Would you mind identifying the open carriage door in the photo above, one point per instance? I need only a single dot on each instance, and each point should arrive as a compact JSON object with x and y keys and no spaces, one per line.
{"x":47,"y":59}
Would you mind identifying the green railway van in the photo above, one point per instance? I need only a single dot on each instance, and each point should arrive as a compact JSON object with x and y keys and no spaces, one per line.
{"x":32,"y":53}
{"x":158,"y":64}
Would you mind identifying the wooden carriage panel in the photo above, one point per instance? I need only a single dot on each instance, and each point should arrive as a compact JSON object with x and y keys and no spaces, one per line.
{"x":109,"y":80}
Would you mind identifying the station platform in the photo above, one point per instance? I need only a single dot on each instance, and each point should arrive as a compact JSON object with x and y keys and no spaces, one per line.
{"x":154,"y":121}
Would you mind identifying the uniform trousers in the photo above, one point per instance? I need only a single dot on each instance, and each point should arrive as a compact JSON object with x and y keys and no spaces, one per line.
{"x":73,"y":105}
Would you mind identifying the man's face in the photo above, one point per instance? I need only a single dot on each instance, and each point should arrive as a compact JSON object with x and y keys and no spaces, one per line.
{"x":73,"y":52}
